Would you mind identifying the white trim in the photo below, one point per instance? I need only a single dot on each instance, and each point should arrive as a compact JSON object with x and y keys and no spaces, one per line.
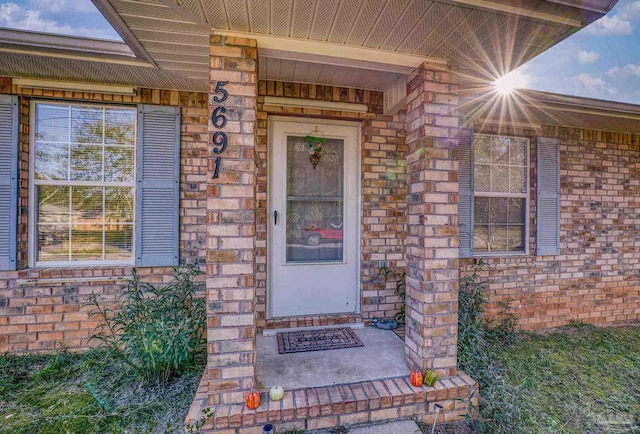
{"x":31,"y":215}
{"x":351,"y":55}
{"x":73,"y":86}
{"x":316,"y":104}
{"x":519,"y":11}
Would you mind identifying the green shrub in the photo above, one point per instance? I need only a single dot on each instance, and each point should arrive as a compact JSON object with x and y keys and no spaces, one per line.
{"x":156,"y":330}
{"x":499,"y":400}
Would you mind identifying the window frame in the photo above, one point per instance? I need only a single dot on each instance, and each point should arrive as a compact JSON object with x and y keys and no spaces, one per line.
{"x":526,"y":196}
{"x":32,"y":215}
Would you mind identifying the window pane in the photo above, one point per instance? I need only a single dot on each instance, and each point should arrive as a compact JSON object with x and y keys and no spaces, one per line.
{"x":518,"y":152}
{"x":52,"y":123}
{"x":516,"y":238}
{"x":482,"y":178}
{"x":500,"y":179}
{"x":323,"y":181}
{"x":517,"y":209}
{"x":518,"y":179}
{"x":118,"y":241}
{"x":499,"y":224}
{"x":500,"y":150}
{"x":52,"y":161}
{"x":118,"y":164}
{"x":498,"y":210}
{"x":482,"y":150}
{"x":119,"y":205}
{"x":86,"y":163}
{"x":53,"y":242}
{"x":120,"y":128}
{"x":86,"y":125}
{"x":314,"y":231}
{"x":53,"y":204}
{"x":481,"y":238}
{"x":86,"y":204}
{"x":86,"y":242}
{"x":481,"y":210}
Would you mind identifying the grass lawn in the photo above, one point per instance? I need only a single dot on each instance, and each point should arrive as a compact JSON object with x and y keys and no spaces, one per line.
{"x":87,"y":393}
{"x":579,"y":379}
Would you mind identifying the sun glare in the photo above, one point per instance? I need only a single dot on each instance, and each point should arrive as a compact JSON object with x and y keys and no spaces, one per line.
{"x":507,"y":83}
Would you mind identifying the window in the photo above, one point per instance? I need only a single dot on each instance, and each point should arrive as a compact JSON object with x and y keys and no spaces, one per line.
{"x":82,"y":174}
{"x":501,"y":186}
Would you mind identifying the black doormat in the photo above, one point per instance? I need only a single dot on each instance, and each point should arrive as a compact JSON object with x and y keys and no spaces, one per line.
{"x":315,"y":340}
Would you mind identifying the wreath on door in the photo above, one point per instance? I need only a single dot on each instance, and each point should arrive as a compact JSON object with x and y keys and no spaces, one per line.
{"x":316,"y":141}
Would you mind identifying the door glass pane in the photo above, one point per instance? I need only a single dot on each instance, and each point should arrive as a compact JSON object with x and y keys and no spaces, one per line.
{"x":314,"y":218}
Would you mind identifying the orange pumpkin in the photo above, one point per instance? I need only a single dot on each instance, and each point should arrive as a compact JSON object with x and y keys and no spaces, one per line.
{"x":252,"y":400}
{"x":416,"y":378}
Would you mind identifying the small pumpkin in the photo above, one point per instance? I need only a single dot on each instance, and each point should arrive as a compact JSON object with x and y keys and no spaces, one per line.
{"x":252,"y":400}
{"x":276,"y":393}
{"x":430,"y":377}
{"x":416,"y":378}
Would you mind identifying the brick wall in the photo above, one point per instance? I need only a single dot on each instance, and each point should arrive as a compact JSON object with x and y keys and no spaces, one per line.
{"x":596,"y":277}
{"x":42,"y":308}
{"x":383,"y":193}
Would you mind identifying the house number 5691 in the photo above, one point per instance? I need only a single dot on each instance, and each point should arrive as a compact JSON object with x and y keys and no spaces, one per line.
{"x":219,"y":120}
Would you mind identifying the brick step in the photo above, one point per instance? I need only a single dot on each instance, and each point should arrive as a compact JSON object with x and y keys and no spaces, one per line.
{"x":313,"y":321}
{"x":345,"y":404}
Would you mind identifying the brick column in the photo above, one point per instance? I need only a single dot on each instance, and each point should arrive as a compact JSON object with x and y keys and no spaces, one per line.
{"x":432,"y":209}
{"x":231,"y":222}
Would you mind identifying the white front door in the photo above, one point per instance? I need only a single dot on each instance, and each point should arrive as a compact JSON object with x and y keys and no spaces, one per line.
{"x":313,"y":218}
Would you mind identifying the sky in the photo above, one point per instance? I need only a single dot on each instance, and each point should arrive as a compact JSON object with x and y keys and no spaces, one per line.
{"x":601,"y":61}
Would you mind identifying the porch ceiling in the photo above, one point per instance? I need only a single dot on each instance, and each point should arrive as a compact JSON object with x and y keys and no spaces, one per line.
{"x":486,"y":37}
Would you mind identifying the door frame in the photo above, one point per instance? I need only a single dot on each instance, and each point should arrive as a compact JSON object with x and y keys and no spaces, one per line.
{"x":358,"y":205}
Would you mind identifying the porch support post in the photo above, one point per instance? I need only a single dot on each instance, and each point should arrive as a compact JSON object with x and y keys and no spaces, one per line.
{"x":230,"y":220}
{"x":432,"y":239}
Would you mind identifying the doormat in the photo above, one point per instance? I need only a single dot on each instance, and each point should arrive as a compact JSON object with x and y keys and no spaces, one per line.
{"x":316,"y":340}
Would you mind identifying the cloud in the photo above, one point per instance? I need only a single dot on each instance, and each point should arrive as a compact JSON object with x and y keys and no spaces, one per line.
{"x":606,"y":26}
{"x":626,"y":71}
{"x":587,"y":57}
{"x":630,"y":11}
{"x":596,"y":87}
{"x":14,"y":16}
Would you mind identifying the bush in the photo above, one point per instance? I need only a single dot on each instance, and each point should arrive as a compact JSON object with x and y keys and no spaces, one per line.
{"x":156,"y":330}
{"x":499,"y":401}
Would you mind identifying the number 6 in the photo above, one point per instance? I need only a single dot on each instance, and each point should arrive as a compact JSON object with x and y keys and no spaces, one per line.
{"x":219,"y":120}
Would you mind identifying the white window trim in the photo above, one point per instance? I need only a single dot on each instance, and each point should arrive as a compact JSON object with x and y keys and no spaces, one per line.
{"x":32,"y":241}
{"x":526,"y":196}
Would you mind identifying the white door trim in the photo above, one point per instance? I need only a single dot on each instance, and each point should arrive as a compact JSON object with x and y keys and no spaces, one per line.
{"x":358,"y":163}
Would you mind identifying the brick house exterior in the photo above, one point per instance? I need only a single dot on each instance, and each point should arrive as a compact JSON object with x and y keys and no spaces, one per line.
{"x":415,"y":158}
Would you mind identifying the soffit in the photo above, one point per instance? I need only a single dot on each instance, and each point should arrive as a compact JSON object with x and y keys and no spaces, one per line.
{"x":476,"y":34}
{"x":528,"y":107}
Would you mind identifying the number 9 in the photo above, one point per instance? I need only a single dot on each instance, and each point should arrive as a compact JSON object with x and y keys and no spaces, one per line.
{"x":219,"y":139}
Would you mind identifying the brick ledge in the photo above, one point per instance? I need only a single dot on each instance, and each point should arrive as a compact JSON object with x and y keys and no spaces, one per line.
{"x":345,"y":404}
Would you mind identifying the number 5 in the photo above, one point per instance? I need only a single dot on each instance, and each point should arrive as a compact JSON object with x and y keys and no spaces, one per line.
{"x":219,"y":89}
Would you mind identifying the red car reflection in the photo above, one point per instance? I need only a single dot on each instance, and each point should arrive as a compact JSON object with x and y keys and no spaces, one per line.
{"x":318,"y":233}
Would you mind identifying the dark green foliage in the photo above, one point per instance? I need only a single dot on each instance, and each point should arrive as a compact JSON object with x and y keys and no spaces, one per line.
{"x":401,"y":289}
{"x":156,"y":330}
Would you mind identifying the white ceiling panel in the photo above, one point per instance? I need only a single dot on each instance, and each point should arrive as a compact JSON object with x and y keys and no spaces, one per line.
{"x":323,"y":20}
{"x":303,"y":10}
{"x":216,"y":13}
{"x":259,"y":14}
{"x":365,"y":21}
{"x":343,"y":21}
{"x":238,"y":14}
{"x":281,"y":11}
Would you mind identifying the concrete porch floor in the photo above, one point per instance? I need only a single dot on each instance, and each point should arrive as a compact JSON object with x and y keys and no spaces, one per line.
{"x":331,"y":388}
{"x":382,"y":356}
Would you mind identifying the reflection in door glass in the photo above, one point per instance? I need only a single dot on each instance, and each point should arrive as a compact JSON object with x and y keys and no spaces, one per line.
{"x":315,"y":202}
